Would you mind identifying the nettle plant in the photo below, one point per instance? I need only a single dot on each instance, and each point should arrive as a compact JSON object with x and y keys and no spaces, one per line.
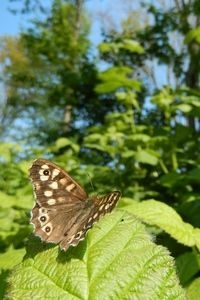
{"x":117,"y":259}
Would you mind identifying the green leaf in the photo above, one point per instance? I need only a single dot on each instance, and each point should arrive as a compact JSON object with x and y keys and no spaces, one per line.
{"x":133,"y":46}
{"x":170,"y":179}
{"x":11,"y":258}
{"x":140,"y":137}
{"x":157,"y":213}
{"x":184,"y":107}
{"x":22,"y":201}
{"x":193,"y":36}
{"x":188,"y":266}
{"x":115,"y":78}
{"x":194,"y":174}
{"x":147,"y":156}
{"x":6,"y":150}
{"x":119,"y":262}
{"x":193,"y":291}
{"x":63,"y":142}
{"x":8,"y":260}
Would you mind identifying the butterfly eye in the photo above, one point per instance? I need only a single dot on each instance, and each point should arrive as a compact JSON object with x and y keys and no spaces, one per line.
{"x":43,"y":219}
{"x":46,"y":172}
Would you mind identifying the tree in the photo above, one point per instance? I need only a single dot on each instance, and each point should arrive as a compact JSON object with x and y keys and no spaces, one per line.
{"x":49,"y":74}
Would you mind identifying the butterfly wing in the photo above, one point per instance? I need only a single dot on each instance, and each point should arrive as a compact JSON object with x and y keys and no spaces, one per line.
{"x":59,"y":200}
{"x":63,"y":213}
{"x":99,"y":207}
{"x":56,"y":180}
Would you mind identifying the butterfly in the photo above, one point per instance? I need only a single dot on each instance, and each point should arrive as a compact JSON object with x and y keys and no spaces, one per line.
{"x":63,"y":212}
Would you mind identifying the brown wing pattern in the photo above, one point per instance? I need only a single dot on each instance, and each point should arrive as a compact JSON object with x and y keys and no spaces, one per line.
{"x":63,"y":212}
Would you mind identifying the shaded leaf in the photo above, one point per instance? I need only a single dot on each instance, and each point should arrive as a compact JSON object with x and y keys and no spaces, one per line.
{"x":188,"y":266}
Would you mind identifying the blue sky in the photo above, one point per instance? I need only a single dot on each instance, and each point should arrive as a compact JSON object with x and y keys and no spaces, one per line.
{"x":102,"y":12}
{"x":9,"y":23}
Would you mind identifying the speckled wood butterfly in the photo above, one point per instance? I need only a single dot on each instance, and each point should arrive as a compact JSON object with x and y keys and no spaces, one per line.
{"x":63,"y":212}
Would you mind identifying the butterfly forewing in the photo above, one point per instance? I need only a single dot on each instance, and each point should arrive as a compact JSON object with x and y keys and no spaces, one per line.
{"x":47,"y":176}
{"x":63,"y":212}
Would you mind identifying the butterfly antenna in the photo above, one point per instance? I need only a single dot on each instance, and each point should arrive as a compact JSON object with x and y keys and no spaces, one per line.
{"x":90,"y":179}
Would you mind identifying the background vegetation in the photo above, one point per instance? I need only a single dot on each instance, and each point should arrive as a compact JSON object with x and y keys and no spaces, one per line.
{"x":125,"y":117}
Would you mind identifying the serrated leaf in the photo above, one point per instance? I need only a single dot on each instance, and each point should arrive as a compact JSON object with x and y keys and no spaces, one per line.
{"x":119,"y":262}
{"x":160,"y":214}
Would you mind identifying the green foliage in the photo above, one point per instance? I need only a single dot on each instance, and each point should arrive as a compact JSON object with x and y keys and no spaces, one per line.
{"x":188,"y":266}
{"x":193,"y":289}
{"x":163,"y":216}
{"x":50,"y":60}
{"x":118,"y":262}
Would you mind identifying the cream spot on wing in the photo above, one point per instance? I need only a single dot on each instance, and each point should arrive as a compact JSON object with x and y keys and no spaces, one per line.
{"x":48,"y":193}
{"x":95,"y":215}
{"x":37,"y":186}
{"x":107,"y":206}
{"x":63,"y":181}
{"x":61,"y":199}
{"x":101,"y":207}
{"x":41,"y":172}
{"x":51,"y":201}
{"x":115,"y":197}
{"x":111,"y":196}
{"x":70,"y":187}
{"x":42,"y":210}
{"x":44,"y":178}
{"x":55,"y":172}
{"x":71,"y":239}
{"x":45,"y":166}
{"x":54,"y":185}
{"x":90,"y":219}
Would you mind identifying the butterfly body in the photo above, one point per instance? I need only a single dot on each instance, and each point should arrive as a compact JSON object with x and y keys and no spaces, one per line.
{"x":63,"y":212}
